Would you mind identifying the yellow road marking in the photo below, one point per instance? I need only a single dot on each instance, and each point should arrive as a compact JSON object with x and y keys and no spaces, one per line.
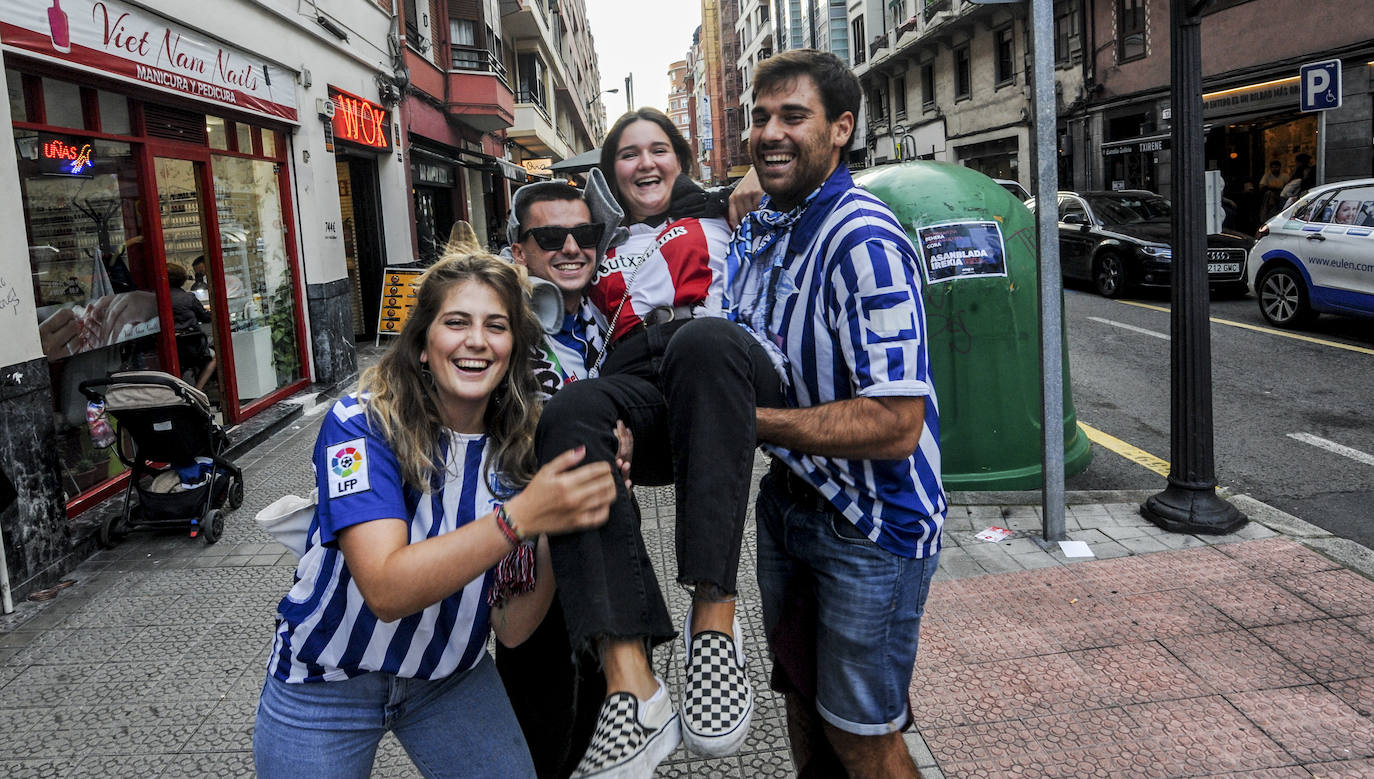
{"x":1133,"y":453}
{"x":1258,"y":329}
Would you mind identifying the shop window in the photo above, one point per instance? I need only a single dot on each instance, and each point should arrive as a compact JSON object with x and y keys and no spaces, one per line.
{"x":269,"y":143}
{"x":114,"y":113}
{"x":244,"y":137}
{"x":963,"y":75}
{"x":1006,"y":56}
{"x":1130,"y":29}
{"x":92,"y":279}
{"x":62,"y":104}
{"x":258,"y":282}
{"x":14,"y":87}
{"x":218,"y":132}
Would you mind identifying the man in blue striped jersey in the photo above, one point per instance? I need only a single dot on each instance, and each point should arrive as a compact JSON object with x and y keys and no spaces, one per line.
{"x":849,"y":516}
{"x":560,"y":234}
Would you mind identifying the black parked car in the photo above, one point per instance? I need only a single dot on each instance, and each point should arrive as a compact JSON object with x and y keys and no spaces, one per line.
{"x":1117,"y":240}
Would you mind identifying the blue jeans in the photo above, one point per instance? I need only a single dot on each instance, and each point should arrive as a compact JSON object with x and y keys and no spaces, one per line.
{"x":459,"y":726}
{"x":842,"y":614}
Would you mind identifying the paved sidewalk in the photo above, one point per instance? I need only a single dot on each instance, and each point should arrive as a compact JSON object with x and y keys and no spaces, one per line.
{"x":1164,"y":655}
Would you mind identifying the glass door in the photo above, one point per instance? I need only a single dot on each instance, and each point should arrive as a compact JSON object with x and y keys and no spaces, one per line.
{"x":196,"y":291}
{"x":259,"y":287}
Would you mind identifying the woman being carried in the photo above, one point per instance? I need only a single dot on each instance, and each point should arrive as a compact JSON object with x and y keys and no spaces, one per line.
{"x":686,"y":382}
{"x":420,"y":478}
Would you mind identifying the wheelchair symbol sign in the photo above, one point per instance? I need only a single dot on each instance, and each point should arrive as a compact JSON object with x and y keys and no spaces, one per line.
{"x":1321,"y":85}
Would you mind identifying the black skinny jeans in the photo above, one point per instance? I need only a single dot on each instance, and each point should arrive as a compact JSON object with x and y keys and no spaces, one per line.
{"x":688,"y":392}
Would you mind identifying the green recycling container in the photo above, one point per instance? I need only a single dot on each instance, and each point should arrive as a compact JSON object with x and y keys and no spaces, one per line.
{"x":977,"y":253}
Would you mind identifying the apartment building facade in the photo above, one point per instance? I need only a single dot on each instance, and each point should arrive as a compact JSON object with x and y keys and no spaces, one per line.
{"x":950,"y":80}
{"x":679,"y":107}
{"x":496,"y":92}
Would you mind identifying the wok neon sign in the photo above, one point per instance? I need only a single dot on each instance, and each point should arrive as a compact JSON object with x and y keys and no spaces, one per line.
{"x":361,"y":121}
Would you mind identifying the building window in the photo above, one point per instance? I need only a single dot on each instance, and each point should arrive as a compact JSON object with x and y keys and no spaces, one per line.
{"x":963,"y":75}
{"x":531,"y":80}
{"x":1130,"y":29}
{"x":463,"y":49}
{"x":839,"y":30}
{"x":1068,"y":42}
{"x":928,"y":86}
{"x":857,"y":44}
{"x":1006,"y":68}
{"x":412,"y":14}
{"x":899,"y":97}
{"x":877,"y":105}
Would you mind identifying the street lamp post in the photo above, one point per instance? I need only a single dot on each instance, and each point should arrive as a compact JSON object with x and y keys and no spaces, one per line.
{"x":610,"y":91}
{"x":1190,"y":504}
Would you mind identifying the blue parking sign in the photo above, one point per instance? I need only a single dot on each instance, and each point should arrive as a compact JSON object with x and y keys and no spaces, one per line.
{"x":1321,"y":85}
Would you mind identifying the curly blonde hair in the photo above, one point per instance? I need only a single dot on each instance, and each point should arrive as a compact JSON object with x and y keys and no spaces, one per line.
{"x":403,"y":404}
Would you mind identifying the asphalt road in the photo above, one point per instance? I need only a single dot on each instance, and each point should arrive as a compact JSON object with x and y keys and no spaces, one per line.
{"x":1292,"y":417}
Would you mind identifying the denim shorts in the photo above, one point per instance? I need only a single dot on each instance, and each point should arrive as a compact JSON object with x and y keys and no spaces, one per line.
{"x":842,"y":614}
{"x":458,"y":726}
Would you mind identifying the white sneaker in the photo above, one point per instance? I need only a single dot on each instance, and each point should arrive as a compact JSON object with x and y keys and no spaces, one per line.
{"x":632,"y":736}
{"x":719,"y":699}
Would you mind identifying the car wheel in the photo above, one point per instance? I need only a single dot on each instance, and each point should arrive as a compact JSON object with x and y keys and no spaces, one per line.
{"x":1283,"y":297}
{"x":1109,"y":276}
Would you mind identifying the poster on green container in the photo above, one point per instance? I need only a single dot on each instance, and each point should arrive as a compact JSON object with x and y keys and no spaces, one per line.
{"x":962,"y":250}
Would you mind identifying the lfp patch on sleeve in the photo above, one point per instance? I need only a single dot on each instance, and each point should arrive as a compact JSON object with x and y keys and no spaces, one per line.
{"x":348,"y":468}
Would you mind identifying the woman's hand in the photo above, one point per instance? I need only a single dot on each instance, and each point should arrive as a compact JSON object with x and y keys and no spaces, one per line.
{"x":746,"y":197}
{"x":562,"y":498}
{"x":625,"y":450}
{"x":59,"y":335}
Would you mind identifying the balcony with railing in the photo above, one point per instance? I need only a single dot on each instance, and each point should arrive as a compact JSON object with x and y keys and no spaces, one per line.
{"x":933,"y":7}
{"x":478,"y":91}
{"x":879,"y":43}
{"x":535,"y":128}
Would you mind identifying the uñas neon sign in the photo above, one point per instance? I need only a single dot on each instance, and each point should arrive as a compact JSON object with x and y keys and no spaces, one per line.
{"x":62,"y":155}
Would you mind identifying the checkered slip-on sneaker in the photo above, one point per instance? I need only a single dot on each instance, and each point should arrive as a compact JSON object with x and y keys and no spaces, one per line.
{"x":719,"y":700}
{"x":632,"y":737}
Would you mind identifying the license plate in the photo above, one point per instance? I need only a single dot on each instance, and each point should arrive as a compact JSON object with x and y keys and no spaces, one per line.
{"x":1223,"y":267}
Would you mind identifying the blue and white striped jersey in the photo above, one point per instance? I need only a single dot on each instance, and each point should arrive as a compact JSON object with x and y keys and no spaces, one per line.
{"x":326,"y":632}
{"x":569,"y":354}
{"x":846,"y":313}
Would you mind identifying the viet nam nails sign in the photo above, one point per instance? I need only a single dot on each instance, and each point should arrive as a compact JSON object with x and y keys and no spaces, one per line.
{"x":135,"y":45}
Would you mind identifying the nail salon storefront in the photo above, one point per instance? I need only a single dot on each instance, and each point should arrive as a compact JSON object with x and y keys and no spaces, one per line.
{"x":140,"y":145}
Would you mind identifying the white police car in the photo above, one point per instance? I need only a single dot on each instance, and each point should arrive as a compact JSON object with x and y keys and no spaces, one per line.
{"x":1317,"y":256}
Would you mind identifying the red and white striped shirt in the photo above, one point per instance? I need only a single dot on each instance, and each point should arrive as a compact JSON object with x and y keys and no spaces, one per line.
{"x":678,"y":263}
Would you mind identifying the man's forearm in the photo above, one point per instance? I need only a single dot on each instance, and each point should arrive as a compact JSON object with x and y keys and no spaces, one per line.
{"x":858,"y":428}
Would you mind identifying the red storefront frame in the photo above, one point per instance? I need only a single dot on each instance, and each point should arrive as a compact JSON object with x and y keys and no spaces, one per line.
{"x":145,"y":149}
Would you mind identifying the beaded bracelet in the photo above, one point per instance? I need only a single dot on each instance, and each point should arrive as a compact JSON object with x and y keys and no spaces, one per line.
{"x":508,"y":528}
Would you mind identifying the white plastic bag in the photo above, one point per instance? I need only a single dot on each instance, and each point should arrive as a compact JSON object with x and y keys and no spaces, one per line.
{"x":288,"y":519}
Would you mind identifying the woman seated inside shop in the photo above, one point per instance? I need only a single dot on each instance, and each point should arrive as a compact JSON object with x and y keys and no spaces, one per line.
{"x":193,"y":346}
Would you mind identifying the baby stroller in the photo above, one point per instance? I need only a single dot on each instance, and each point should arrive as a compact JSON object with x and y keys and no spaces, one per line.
{"x":175,"y":455}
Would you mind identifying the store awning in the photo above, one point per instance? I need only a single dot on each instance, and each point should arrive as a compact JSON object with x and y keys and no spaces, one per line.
{"x":512,"y":171}
{"x":578,"y":163}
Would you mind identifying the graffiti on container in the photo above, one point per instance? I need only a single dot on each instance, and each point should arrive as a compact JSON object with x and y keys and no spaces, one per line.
{"x":942,"y":320}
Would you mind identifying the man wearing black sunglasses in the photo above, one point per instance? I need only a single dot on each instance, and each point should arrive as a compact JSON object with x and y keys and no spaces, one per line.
{"x":559,"y":233}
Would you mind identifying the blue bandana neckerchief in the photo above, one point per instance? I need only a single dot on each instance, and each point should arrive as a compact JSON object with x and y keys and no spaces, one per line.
{"x":754,"y":269}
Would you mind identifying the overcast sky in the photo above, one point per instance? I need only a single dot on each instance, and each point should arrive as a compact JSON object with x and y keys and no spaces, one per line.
{"x":642,"y":37}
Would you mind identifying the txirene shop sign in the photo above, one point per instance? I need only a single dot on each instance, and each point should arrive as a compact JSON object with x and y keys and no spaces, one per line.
{"x":132,"y":44}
